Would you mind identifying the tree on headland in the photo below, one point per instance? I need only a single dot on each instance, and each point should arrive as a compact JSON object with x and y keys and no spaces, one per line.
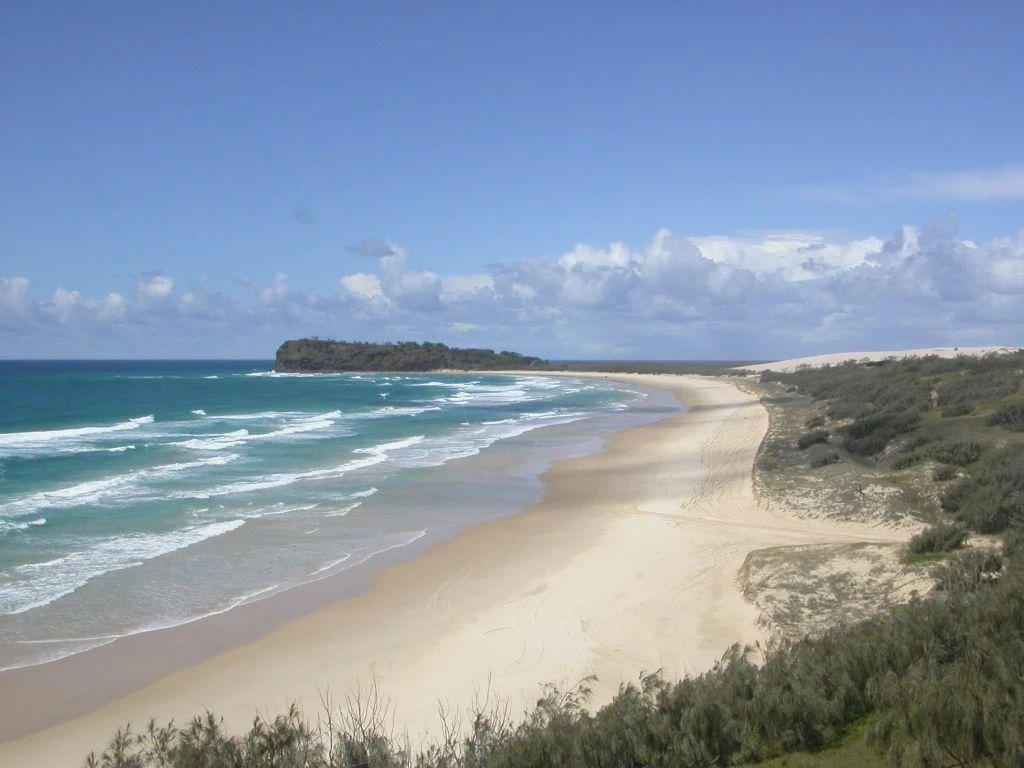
{"x":325,"y":356}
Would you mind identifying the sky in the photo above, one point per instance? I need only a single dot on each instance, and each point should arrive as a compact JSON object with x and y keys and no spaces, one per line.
{"x":597,"y":180}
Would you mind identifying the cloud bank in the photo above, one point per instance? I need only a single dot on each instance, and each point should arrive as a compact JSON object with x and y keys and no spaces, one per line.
{"x":758,"y":296}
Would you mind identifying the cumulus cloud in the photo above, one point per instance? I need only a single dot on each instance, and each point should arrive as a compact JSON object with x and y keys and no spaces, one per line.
{"x":1002,"y":183}
{"x":155,"y":287}
{"x":719,"y":297}
{"x":748,"y":296}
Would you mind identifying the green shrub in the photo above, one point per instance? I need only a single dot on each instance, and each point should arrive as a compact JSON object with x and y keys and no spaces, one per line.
{"x":1007,"y":417}
{"x":960,"y":409}
{"x":870,"y":435}
{"x":943,"y":537}
{"x":915,"y":442}
{"x":960,"y":453}
{"x":822,"y":456}
{"x":980,"y":385}
{"x":807,"y":439}
{"x":992,"y":497}
{"x":906,"y":460}
{"x":867,"y":446}
{"x":945,"y":472}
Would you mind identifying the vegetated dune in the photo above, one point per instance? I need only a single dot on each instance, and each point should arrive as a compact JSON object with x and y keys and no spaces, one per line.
{"x":835,"y":358}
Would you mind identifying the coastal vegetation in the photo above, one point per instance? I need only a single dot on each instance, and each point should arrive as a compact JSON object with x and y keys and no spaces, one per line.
{"x":934,"y":681}
{"x":326,"y":356}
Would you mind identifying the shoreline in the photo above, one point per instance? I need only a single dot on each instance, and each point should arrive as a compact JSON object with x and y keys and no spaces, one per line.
{"x":628,"y":564}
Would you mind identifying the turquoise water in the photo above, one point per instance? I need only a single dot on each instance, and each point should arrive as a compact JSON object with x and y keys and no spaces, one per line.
{"x":137,"y":495}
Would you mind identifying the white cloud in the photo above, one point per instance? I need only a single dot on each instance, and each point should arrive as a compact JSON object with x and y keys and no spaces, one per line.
{"x":14,"y":298}
{"x":277,"y":291}
{"x":363,"y":285}
{"x":156,"y":287}
{"x":1002,"y":183}
{"x":749,"y":296}
{"x":65,"y":304}
{"x":113,"y":307}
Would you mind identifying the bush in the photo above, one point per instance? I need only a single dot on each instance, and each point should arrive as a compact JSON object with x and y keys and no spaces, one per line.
{"x":807,"y":439}
{"x":1007,"y":417}
{"x":906,"y":460}
{"x":822,"y":456}
{"x":945,"y":472}
{"x":943,"y":537}
{"x":960,"y":409}
{"x":866,"y":446}
{"x":992,"y":498}
{"x":815,"y":421}
{"x":914,"y":443}
{"x":960,"y":453}
{"x":869,"y":435}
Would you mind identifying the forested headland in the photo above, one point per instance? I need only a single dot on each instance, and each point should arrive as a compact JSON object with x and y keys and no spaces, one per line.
{"x":326,"y":356}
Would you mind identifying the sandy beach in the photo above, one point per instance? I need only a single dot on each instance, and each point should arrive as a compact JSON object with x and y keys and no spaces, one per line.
{"x":629,"y":564}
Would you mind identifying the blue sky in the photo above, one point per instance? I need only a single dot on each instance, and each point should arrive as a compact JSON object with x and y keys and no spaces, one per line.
{"x":651,"y":180}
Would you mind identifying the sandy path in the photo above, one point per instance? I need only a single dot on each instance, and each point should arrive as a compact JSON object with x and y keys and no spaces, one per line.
{"x":630,"y":564}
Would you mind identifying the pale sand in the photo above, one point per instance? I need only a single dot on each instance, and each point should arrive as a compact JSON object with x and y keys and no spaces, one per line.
{"x":630,"y":564}
{"x":818,"y":361}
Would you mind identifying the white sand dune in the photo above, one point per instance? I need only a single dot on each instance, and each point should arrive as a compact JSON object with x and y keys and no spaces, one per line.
{"x":630,"y":564}
{"x":818,"y":361}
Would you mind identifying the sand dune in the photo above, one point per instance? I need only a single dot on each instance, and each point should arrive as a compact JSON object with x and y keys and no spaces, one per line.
{"x":817,"y":361}
{"x":629,"y":564}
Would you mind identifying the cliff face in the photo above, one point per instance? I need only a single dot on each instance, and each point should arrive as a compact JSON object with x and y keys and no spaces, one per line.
{"x":320,"y":356}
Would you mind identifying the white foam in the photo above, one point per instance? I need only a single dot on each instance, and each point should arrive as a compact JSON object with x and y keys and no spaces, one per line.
{"x":449,"y":384}
{"x":390,"y":411}
{"x":215,"y":442}
{"x":384,"y":448}
{"x":343,"y":511}
{"x":299,"y":426}
{"x":257,"y":416}
{"x":283,"y":375}
{"x":34,"y":585}
{"x":199,"y":412}
{"x":20,"y":525}
{"x":472,"y":439}
{"x":18,"y":439}
{"x":278,"y":510}
{"x":377,"y":454}
{"x":331,"y":565}
{"x":120,"y":448}
{"x":120,"y":487}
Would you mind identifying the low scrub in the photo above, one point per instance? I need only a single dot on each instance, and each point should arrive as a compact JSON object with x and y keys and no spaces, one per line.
{"x":943,"y":537}
{"x":807,"y":439}
{"x":991,"y":499}
{"x":961,"y":453}
{"x":960,"y":409}
{"x":906,"y":460}
{"x":1008,"y":417}
{"x":822,"y":456}
{"x":870,"y":435}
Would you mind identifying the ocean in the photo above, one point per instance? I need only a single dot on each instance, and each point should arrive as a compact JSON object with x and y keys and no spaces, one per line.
{"x":136,"y":495}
